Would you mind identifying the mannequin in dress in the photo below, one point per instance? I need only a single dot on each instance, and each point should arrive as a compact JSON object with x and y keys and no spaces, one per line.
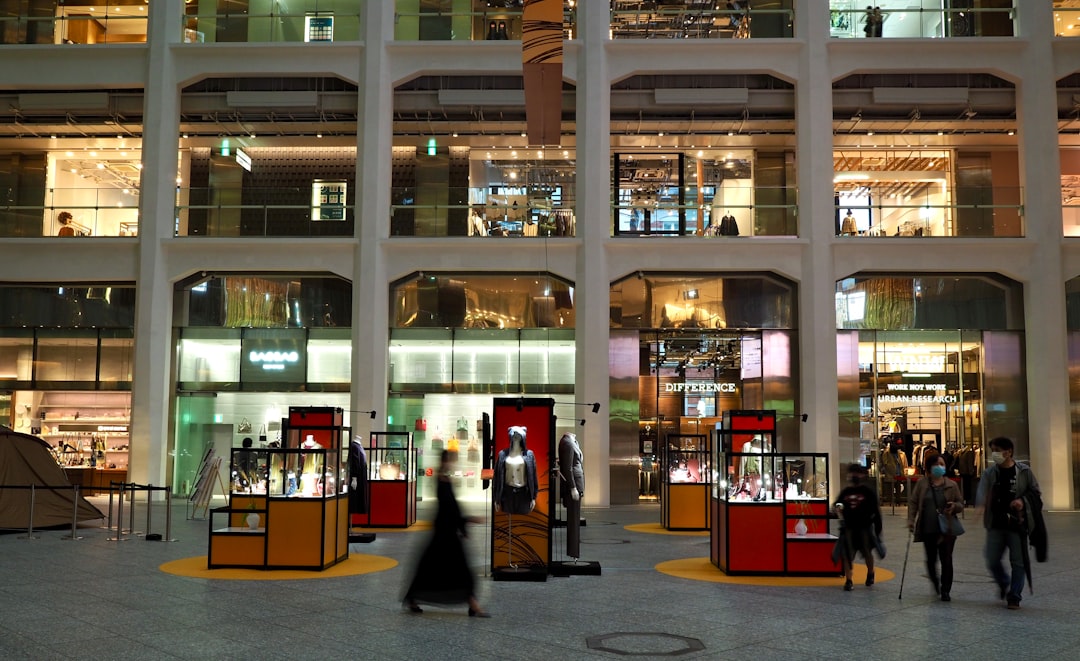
{"x":571,"y":487}
{"x":515,"y":480}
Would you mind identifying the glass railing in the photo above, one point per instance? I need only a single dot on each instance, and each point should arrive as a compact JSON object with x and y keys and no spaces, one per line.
{"x":120,"y":23}
{"x":733,"y":211}
{"x":314,"y":22}
{"x":1066,"y":20}
{"x":965,"y":211}
{"x":654,"y":20}
{"x":482,"y":24}
{"x":259,"y":212}
{"x":846,"y":21}
{"x":489,"y":215}
{"x":94,"y":212}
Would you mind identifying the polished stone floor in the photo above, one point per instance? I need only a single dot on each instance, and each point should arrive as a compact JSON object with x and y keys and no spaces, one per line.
{"x":99,"y":599}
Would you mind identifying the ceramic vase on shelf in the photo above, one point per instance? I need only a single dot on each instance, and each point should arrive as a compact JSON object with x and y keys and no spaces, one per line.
{"x":800,"y":527}
{"x":252,"y":520}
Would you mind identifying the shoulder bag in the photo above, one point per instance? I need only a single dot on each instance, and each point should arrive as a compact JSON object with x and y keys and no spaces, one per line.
{"x":947,"y":524}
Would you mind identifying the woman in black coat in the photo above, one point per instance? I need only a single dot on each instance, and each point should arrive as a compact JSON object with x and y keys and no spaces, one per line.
{"x":442,"y":575}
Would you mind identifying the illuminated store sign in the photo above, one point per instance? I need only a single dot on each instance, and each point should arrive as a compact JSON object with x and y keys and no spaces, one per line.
{"x":273,"y":356}
{"x":273,"y":360}
{"x":699,"y":387}
{"x":918,"y":392}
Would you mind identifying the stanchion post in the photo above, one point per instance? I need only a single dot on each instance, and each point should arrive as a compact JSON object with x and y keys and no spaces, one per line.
{"x":131,"y":514}
{"x":30,"y":526}
{"x":74,"y":514}
{"x":119,"y":516}
{"x":168,"y":515}
{"x":108,"y":520}
{"x":149,"y":497}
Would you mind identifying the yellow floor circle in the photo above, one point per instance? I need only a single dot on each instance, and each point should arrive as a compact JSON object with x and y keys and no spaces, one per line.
{"x":657,"y":529}
{"x":355,"y":564}
{"x":701,"y":569}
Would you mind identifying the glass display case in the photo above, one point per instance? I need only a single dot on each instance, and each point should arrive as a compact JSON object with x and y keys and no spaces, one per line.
{"x":391,"y":483}
{"x":685,"y":482}
{"x":772,"y":509}
{"x":288,"y":507}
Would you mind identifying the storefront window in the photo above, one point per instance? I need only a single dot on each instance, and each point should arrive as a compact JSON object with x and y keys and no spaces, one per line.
{"x":90,"y":22}
{"x":66,"y":355}
{"x":16,"y":355}
{"x":923,"y":18}
{"x":310,"y":21}
{"x":700,"y":345}
{"x":907,"y":388}
{"x":117,"y":357}
{"x":461,"y":339}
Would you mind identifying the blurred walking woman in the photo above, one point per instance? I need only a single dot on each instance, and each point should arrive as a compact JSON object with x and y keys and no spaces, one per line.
{"x":443,"y":576}
{"x":932,"y":495}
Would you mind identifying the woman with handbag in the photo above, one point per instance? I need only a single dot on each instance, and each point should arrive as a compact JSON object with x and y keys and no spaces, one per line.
{"x":933,"y":505}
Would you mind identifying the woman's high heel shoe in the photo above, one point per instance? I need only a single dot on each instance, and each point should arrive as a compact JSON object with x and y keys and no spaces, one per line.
{"x":476,"y":613}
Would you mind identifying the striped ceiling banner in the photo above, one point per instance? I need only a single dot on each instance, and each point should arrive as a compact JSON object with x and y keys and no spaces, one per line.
{"x":542,"y":64}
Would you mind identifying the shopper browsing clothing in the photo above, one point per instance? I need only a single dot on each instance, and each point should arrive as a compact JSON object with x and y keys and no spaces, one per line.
{"x":933,"y":495}
{"x":860,"y":526}
{"x":1007,"y":492}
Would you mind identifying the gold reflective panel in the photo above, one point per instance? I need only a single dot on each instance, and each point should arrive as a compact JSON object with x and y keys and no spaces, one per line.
{"x":483,"y":301}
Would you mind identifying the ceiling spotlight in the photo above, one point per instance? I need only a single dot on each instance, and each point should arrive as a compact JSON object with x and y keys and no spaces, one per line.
{"x":318,"y":135}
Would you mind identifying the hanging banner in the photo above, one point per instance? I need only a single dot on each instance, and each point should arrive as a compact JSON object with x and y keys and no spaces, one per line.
{"x":542,"y":64}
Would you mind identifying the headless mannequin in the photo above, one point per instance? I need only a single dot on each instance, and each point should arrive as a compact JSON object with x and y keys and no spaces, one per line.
{"x":571,"y":487}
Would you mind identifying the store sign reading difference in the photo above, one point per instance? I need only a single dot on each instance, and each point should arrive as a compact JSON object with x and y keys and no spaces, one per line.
{"x":699,"y":387}
{"x":273,"y":360}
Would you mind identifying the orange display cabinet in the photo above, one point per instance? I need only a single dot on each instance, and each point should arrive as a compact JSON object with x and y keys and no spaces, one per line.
{"x":685,"y":482}
{"x":288,"y":507}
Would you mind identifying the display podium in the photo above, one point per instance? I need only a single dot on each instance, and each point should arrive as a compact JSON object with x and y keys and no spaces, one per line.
{"x":288,"y":507}
{"x":685,"y":482}
{"x":771,"y":508}
{"x":391,"y":481}
{"x":521,"y":542}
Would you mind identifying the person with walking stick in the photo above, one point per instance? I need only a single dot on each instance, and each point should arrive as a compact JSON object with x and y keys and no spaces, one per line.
{"x":933,"y":500}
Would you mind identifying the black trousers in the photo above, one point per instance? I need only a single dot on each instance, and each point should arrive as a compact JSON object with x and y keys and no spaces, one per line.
{"x":939,"y":547}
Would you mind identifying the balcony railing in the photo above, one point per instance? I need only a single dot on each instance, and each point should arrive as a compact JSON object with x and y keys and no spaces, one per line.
{"x":94,"y":211}
{"x":918,"y":23}
{"x":488,"y":216}
{"x":483,"y":24}
{"x":259,"y":212}
{"x":640,"y":20}
{"x":965,"y":212}
{"x":322,"y":24}
{"x":732,"y":211}
{"x":120,"y":23}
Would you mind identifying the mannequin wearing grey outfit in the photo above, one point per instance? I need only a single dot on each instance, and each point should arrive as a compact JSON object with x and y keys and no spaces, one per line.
{"x":571,"y":487}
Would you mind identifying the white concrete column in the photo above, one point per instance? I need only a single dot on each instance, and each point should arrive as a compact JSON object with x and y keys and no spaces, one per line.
{"x":817,"y":320}
{"x":371,"y":310}
{"x":152,"y":381}
{"x":592,"y":298}
{"x":1049,"y":424}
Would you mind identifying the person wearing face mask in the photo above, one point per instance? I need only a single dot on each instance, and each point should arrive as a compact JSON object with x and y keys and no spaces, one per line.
{"x":932,"y":495}
{"x":860,"y":528}
{"x":1011,"y":502}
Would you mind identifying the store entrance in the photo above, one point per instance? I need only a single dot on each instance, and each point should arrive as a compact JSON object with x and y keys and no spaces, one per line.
{"x":921,"y":393}
{"x":688,"y":378}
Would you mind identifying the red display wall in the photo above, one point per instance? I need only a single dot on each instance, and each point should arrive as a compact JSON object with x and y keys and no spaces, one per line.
{"x":525,"y":539}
